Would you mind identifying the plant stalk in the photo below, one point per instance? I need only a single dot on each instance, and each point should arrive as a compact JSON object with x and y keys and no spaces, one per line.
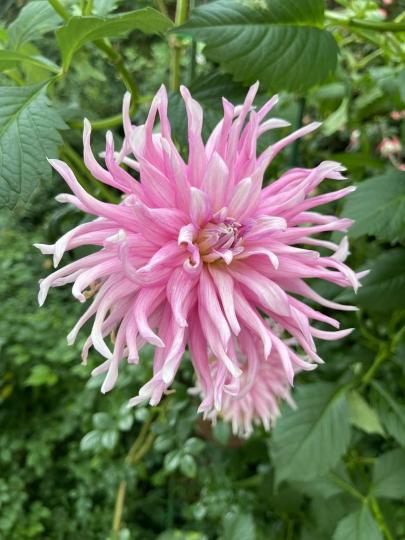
{"x":352,"y":22}
{"x":176,"y":45}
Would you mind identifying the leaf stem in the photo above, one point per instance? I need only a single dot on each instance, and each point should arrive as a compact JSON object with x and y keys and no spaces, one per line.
{"x":88,"y":8}
{"x":60,"y":9}
{"x":380,"y":519}
{"x":352,"y":22}
{"x":176,"y":45}
{"x":298,"y":125}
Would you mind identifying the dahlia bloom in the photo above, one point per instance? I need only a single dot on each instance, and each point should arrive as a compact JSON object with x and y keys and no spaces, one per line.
{"x":198,"y":254}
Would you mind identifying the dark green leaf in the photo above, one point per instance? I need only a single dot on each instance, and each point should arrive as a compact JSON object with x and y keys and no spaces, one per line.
{"x":383,"y":290}
{"x":389,"y":475}
{"x":34,"y":19}
{"x":283,"y":46}
{"x":81,"y":30}
{"x":28,"y":134}
{"x":378,"y":207}
{"x":359,"y":525}
{"x":308,"y":441}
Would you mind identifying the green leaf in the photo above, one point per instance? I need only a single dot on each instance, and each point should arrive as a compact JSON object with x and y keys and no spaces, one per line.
{"x":40,"y":375}
{"x":102,"y":421}
{"x":383,"y":290}
{"x":188,"y":466}
{"x":308,"y":441}
{"x":11,"y":59}
{"x":283,"y":46}
{"x":172,"y":460}
{"x":81,"y":30}
{"x":392,"y":414}
{"x":238,"y":526}
{"x":389,"y":475}
{"x":90,"y":441}
{"x":109,"y":439}
{"x":378,"y":207}
{"x":359,"y":525}
{"x":337,"y":119}
{"x":28,"y":134}
{"x":34,"y":20}
{"x":362,"y":415}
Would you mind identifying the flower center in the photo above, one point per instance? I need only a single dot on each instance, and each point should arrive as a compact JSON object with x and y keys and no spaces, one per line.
{"x":220,"y":240}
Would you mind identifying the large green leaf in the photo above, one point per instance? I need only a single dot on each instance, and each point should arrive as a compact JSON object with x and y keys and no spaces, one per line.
{"x":28,"y":134}
{"x":392,"y":413}
{"x":81,"y":30}
{"x":359,"y":525}
{"x":284,"y":46}
{"x":34,"y":19}
{"x":308,"y":441}
{"x":378,"y":207}
{"x":389,"y":475}
{"x":238,"y":526}
{"x":383,"y":290}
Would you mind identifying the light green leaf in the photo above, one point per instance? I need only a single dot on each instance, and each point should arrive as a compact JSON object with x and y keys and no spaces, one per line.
{"x":378,"y":207}
{"x":392,"y":414}
{"x":238,"y":526}
{"x":308,"y":441}
{"x":359,"y":525}
{"x":383,"y":290}
{"x":34,"y":20}
{"x":188,"y":466}
{"x":90,"y":441}
{"x":109,"y":439}
{"x":389,"y":475}
{"x":337,"y":119}
{"x":11,"y":59}
{"x":283,"y":46}
{"x":81,"y":30}
{"x":362,"y":415}
{"x":28,"y":134}
{"x":40,"y":375}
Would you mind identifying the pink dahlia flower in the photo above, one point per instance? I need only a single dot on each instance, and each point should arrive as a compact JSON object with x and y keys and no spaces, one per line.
{"x":198,"y":254}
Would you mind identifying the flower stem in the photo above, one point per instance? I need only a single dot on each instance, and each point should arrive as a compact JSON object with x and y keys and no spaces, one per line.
{"x":377,"y":26}
{"x":176,"y":45}
{"x":298,"y":124}
{"x":380,"y":519}
{"x":140,"y":447}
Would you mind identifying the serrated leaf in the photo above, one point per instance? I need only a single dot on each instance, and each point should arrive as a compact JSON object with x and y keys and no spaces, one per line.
{"x":81,"y":30}
{"x":309,"y":441}
{"x":392,"y":414}
{"x":378,"y":207}
{"x":383,"y":290}
{"x":11,"y":59}
{"x":34,"y":20}
{"x":362,"y":415}
{"x":389,"y":475}
{"x":283,"y":46}
{"x":238,"y":526}
{"x":359,"y":525}
{"x":29,"y":133}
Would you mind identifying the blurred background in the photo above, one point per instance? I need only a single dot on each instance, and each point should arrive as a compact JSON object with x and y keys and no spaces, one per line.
{"x":75,"y":464}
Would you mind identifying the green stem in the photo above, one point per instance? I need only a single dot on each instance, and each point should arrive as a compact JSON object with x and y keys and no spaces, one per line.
{"x":379,"y":359}
{"x":88,"y":8}
{"x":380,"y":519}
{"x":346,"y":486}
{"x":60,"y":9}
{"x":193,"y":51}
{"x":141,"y":446}
{"x":176,"y":45}
{"x":298,"y":124}
{"x":352,"y":22}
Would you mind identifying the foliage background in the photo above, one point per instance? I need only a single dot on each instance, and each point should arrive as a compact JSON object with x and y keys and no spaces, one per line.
{"x":78,"y":465}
